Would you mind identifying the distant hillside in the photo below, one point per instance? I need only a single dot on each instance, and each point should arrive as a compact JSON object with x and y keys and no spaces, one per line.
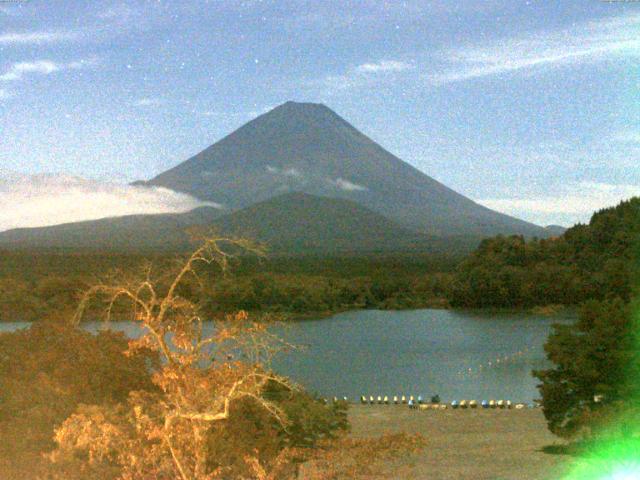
{"x":294,"y":223}
{"x":555,"y":230}
{"x":128,"y":233}
{"x":307,"y":147}
{"x":299,"y":222}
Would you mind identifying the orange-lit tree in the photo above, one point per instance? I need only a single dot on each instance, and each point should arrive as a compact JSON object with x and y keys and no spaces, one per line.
{"x":203,"y":380}
{"x":217,"y":409}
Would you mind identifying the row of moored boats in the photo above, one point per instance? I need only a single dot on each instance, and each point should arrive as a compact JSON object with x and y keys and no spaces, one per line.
{"x":435,"y":403}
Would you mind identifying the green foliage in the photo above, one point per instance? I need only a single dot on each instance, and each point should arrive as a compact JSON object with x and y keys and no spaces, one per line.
{"x":590,"y":360}
{"x":312,"y":294}
{"x":588,"y":261}
{"x":39,"y":285}
{"x":311,"y":420}
{"x":251,"y":431}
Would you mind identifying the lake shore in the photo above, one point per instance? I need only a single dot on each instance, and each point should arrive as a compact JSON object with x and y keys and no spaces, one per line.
{"x":467,"y":444}
{"x":545,"y":311}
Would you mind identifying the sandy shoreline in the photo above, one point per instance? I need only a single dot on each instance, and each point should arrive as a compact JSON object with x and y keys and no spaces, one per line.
{"x":467,"y":444}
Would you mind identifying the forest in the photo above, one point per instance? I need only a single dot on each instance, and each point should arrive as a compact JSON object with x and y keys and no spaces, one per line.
{"x":588,"y":261}
{"x":36,"y":285}
{"x":592,"y":261}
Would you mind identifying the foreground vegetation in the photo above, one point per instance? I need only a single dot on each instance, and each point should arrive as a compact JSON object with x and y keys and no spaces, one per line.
{"x":171,"y":404}
{"x":590,"y":394}
{"x":78,"y":406}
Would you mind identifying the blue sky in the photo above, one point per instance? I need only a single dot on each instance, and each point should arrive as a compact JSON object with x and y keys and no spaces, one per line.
{"x":529,"y":107}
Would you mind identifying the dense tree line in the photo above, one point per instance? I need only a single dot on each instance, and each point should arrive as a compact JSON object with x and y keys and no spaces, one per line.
{"x":49,"y":286}
{"x":588,"y":262}
{"x":315,"y":294}
{"x":596,"y":363}
{"x":592,"y":390}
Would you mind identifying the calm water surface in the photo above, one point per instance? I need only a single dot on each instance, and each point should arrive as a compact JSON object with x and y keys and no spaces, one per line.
{"x":459,"y":355}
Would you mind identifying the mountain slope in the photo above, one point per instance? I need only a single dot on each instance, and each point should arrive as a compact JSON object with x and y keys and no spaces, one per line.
{"x":294,"y":223}
{"x":307,"y":147}
{"x":127,"y":233}
{"x":299,"y":222}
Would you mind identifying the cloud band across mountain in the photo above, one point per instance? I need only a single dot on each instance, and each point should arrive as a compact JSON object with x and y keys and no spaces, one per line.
{"x":41,"y":200}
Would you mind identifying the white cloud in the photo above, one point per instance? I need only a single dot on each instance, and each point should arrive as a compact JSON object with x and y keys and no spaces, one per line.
{"x":17,"y":70}
{"x":291,"y":172}
{"x":576,"y":203}
{"x":35,"y":38}
{"x":348,"y":186}
{"x":148,"y":102}
{"x":584,"y":43}
{"x":384,"y":66}
{"x":628,"y":136}
{"x":41,"y":67}
{"x":285,"y":172}
{"x":120,"y":11}
{"x":4,"y":94}
{"x":40,"y":200}
{"x":362,"y":75}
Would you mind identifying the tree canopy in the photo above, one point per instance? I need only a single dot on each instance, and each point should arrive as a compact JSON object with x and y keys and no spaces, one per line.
{"x":591,"y":261}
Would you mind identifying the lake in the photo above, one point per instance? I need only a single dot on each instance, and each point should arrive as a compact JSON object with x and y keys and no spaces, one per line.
{"x":456,"y":354}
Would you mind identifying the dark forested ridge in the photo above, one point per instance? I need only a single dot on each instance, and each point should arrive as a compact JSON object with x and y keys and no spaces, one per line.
{"x":41,"y":284}
{"x":587,"y":262}
{"x":590,"y":261}
{"x":290,"y":224}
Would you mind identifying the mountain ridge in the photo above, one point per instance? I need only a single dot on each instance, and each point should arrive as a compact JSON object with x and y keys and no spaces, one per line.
{"x":301,"y":178}
{"x":290,"y":224}
{"x":309,"y":148}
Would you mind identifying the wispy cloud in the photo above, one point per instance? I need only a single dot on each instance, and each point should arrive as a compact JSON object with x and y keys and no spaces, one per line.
{"x":148,"y":102}
{"x":37,"y":37}
{"x":117,"y":19}
{"x":627,"y":136}
{"x":120,"y":11}
{"x":588,"y":42}
{"x":384,"y":66}
{"x":40,"y":200}
{"x":365,"y":74}
{"x":285,"y":172}
{"x":40,"y":67}
{"x":18,"y":70}
{"x":4,"y":94}
{"x":347,"y":186}
{"x":576,"y":203}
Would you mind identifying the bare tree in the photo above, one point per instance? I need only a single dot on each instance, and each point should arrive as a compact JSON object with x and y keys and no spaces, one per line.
{"x":167,"y":433}
{"x":203,"y":384}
